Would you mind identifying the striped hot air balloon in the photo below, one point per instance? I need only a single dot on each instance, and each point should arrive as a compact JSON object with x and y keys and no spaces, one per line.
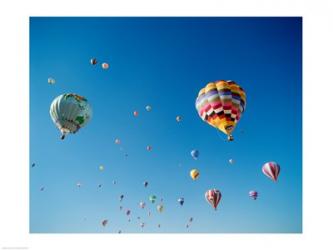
{"x":213,"y":197}
{"x":253,"y":194}
{"x":221,"y":104}
{"x":271,"y":169}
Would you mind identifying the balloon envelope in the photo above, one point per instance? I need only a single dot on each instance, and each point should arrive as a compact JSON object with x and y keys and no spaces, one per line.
{"x":213,"y":197}
{"x":70,"y":112}
{"x":152,"y":198}
{"x":221,"y":104}
{"x":253,"y":194}
{"x":194,"y":174}
{"x":105,"y":65}
{"x":195,"y":154}
{"x":271,"y":170}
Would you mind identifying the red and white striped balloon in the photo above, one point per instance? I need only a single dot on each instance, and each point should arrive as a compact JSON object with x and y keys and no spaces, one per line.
{"x":253,"y":194}
{"x":213,"y":197}
{"x":271,"y":169}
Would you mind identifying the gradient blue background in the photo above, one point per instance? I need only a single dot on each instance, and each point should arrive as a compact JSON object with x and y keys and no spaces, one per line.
{"x":164,"y":62}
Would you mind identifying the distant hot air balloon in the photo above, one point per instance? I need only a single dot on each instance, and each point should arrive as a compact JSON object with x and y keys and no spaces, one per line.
{"x":33,"y":165}
{"x":231,"y":161}
{"x":105,"y":65}
{"x":195,"y":154}
{"x":119,"y":232}
{"x":100,"y":185}
{"x":142,"y":224}
{"x":121,"y":197}
{"x":114,"y":182}
{"x":148,"y":108}
{"x":142,"y":204}
{"x":160,"y":208}
{"x":191,"y":219}
{"x":117,"y":141}
{"x":159,"y":225}
{"x":271,"y":170}
{"x":221,"y":104}
{"x":93,"y":61}
{"x":178,"y":118}
{"x":51,"y":81}
{"x":253,"y":194}
{"x":70,"y":112}
{"x":135,"y":113}
{"x":181,"y":201}
{"x":78,"y":184}
{"x":42,"y":188}
{"x":194,"y":174}
{"x":104,"y":222}
{"x":145,"y":183}
{"x":128,"y":212}
{"x":149,"y":148}
{"x":120,"y":207}
{"x":213,"y":197}
{"x":152,"y":198}
{"x":101,"y":167}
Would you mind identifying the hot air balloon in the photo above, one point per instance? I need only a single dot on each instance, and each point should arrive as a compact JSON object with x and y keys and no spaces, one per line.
{"x":114,"y":182}
{"x":159,"y":225}
{"x":271,"y":170}
{"x":142,"y":224}
{"x":231,"y":161}
{"x":33,"y":165}
{"x":194,"y":174}
{"x":152,"y":198}
{"x":253,"y":194}
{"x":100,"y":185}
{"x":145,"y":183}
{"x":135,"y":113}
{"x":70,"y":112}
{"x":42,"y":188}
{"x":117,"y":141}
{"x":78,"y":184}
{"x":120,"y":207}
{"x":191,"y":219}
{"x":119,"y":232}
{"x":93,"y":61}
{"x":128,"y":212}
{"x":148,"y":108}
{"x":221,"y":104}
{"x":51,"y":80}
{"x":178,"y":118}
{"x":121,"y":197}
{"x":181,"y":201}
{"x":149,"y":148}
{"x":104,"y":222}
{"x":142,"y":204}
{"x":105,"y":65}
{"x":195,"y":154}
{"x":160,"y":208}
{"x":101,"y":167}
{"x":213,"y":196}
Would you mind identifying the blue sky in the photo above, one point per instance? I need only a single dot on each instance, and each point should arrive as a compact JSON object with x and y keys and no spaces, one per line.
{"x":164,"y":62}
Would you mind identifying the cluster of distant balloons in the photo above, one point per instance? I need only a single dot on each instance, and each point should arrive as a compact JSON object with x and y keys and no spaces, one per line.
{"x":219,"y":104}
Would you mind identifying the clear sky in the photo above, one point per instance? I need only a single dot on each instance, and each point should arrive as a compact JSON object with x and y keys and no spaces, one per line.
{"x":164,"y":62}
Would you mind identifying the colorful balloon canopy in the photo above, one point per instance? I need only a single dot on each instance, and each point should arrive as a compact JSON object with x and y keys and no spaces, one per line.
{"x":221,"y":104}
{"x":93,"y":61}
{"x":213,"y":197}
{"x":160,"y":208}
{"x":104,"y":222}
{"x":105,"y":65}
{"x":253,"y":194}
{"x":135,"y":113}
{"x":117,"y":141}
{"x":148,"y":108}
{"x":51,"y":81}
{"x":152,"y":198}
{"x":194,"y":174}
{"x":195,"y":154}
{"x":149,"y":148}
{"x":121,"y":197}
{"x":145,"y":183}
{"x":178,"y":118}
{"x":271,"y":170}
{"x":142,"y":204}
{"x":181,"y":201}
{"x":70,"y":112}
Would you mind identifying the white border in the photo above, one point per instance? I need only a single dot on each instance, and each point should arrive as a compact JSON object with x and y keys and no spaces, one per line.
{"x":14,"y":103}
